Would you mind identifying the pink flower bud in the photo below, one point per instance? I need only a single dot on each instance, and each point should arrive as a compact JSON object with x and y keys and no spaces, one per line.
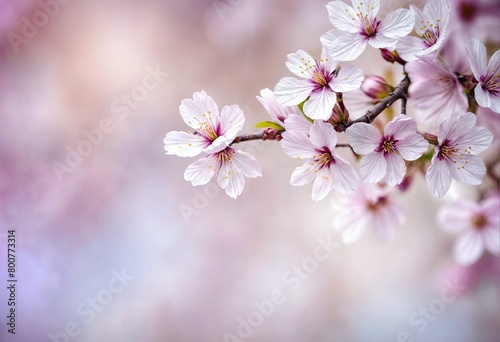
{"x":376,"y":87}
{"x":391,"y":56}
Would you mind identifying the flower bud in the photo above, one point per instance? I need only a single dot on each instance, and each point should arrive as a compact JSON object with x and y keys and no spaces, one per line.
{"x":340,"y":115}
{"x":391,"y":56}
{"x":376,"y":87}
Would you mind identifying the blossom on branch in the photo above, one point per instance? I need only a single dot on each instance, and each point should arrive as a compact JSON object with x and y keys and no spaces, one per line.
{"x":478,"y":225}
{"x":320,"y":82}
{"x":430,"y":26}
{"x":385,"y":153}
{"x":277,"y":112}
{"x":358,"y":25}
{"x":214,"y":133}
{"x":370,"y":207}
{"x":324,"y":166}
{"x":487,"y":92}
{"x":459,"y":142}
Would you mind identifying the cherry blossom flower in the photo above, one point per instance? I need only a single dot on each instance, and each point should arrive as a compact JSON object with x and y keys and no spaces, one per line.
{"x":370,"y":207}
{"x":324,"y":166}
{"x":476,"y":19}
{"x":459,"y":142}
{"x":385,"y":153}
{"x":320,"y":82}
{"x":358,"y":25}
{"x":430,"y":26}
{"x":478,"y":225}
{"x":435,"y":90}
{"x":487,"y":92}
{"x":277,"y":112}
{"x":229,"y":165}
{"x":214,"y":133}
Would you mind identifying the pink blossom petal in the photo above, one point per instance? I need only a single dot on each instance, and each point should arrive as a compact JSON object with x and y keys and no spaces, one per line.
{"x":457,"y":217}
{"x":471,"y":170}
{"x":328,"y":63}
{"x":297,"y":144}
{"x":195,"y":111}
{"x":230,"y":179}
{"x":487,"y":99}
{"x":343,"y":16}
{"x":368,"y":8}
{"x":232,"y":121}
{"x":328,"y":38}
{"x":438,"y":176}
{"x":410,"y":47}
{"x":373,"y":167}
{"x":344,"y":176}
{"x":396,"y":169}
{"x":296,"y":122}
{"x":412,"y":147}
{"x":291,"y":91}
{"x":477,"y":56}
{"x":301,"y":64}
{"x":456,"y":127}
{"x":491,"y":238}
{"x":348,"y":47}
{"x":363,"y":138}
{"x":304,"y":174}
{"x":247,"y":164}
{"x":323,"y":134}
{"x":477,"y":140}
{"x":349,"y":78}
{"x":320,"y":104}
{"x":323,"y":184}
{"x":354,"y":228}
{"x":184,"y":144}
{"x":201,"y":171}
{"x":401,"y":126}
{"x":468,"y":248}
{"x":218,"y":145}
{"x":397,"y":24}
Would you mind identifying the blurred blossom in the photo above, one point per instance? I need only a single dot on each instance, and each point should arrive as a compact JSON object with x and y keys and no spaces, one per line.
{"x":478,"y":225}
{"x":476,"y":19}
{"x":371,"y":207}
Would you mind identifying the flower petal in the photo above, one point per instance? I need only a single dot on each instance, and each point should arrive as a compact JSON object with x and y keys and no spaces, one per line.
{"x":491,"y":239}
{"x":232,"y":121}
{"x":323,"y":184}
{"x":438,"y":176}
{"x":456,"y":127}
{"x":468,"y":248}
{"x":477,"y":56}
{"x":201,"y":110}
{"x":322,"y":134}
{"x":343,"y":16}
{"x":470,"y":170}
{"x":230,"y":178}
{"x":201,"y":171}
{"x":349,"y":78}
{"x":409,"y":48}
{"x":184,"y":144}
{"x":247,"y":164}
{"x":320,"y":104}
{"x":456,"y":217}
{"x":412,"y":146}
{"x":291,"y":91}
{"x":397,"y":24}
{"x":296,"y":122}
{"x":348,"y":46}
{"x":301,"y":64}
{"x":353,"y":227}
{"x":363,"y":137}
{"x":373,"y":167}
{"x":304,"y":174}
{"x":344,"y":176}
{"x":487,"y":99}
{"x":477,"y":140}
{"x":297,"y":144}
{"x":396,"y":169}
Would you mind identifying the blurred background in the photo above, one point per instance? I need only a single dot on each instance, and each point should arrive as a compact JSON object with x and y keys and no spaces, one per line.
{"x":114,"y":245}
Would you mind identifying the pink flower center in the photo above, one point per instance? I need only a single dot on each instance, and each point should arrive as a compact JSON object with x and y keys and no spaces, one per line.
{"x":449,"y":151}
{"x":491,"y":83}
{"x":206,"y":128}
{"x":479,"y":221}
{"x":324,"y":158}
{"x":387,"y":145}
{"x":369,"y":28}
{"x":430,"y":37}
{"x":467,"y":11}
{"x":320,"y":78}
{"x":374,"y":206}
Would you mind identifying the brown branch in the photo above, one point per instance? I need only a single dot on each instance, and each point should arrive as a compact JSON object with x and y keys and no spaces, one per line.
{"x":400,"y":92}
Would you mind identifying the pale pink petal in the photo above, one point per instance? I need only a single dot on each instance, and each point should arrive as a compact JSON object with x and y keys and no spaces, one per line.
{"x":328,"y":38}
{"x":457,"y":127}
{"x":477,"y":140}
{"x":470,"y":170}
{"x":354,"y":228}
{"x":491,"y":239}
{"x":368,"y":8}
{"x":348,"y":47}
{"x":363,"y":138}
{"x":320,"y":104}
{"x":494,"y":63}
{"x":343,"y":17}
{"x":396,"y":169}
{"x":349,"y":78}
{"x":218,"y":145}
{"x":297,"y":144}
{"x":344,"y":176}
{"x":328,"y":63}
{"x":291,"y":91}
{"x":296,"y":122}
{"x":184,"y":144}
{"x":383,"y":42}
{"x":322,"y":184}
{"x":468,"y":248}
{"x":232,"y":121}
{"x":412,"y":147}
{"x":438,"y":176}
{"x":301,"y":64}
{"x":400,"y":126}
{"x":230,"y":179}
{"x":386,"y":221}
{"x":247,"y":164}
{"x":304,"y":174}
{"x":398,"y":23}
{"x":457,"y":217}
{"x":201,"y":171}
{"x":409,"y":48}
{"x":438,"y":12}
{"x":487,"y":99}
{"x":491,"y":208}
{"x":373,"y":167}
{"x":201,"y":109}
{"x":477,"y":56}
{"x":322,"y":134}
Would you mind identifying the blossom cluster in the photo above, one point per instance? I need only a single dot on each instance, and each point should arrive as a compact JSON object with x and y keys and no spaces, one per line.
{"x":448,"y":81}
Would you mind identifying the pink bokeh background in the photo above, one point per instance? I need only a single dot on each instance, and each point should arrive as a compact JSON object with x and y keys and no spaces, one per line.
{"x":121,"y":208}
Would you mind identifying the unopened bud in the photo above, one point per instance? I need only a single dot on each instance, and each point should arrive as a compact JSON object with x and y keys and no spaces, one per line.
{"x":391,"y":56}
{"x":340,"y":115}
{"x":271,"y":134}
{"x":376,"y":87}
{"x":431,"y":138}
